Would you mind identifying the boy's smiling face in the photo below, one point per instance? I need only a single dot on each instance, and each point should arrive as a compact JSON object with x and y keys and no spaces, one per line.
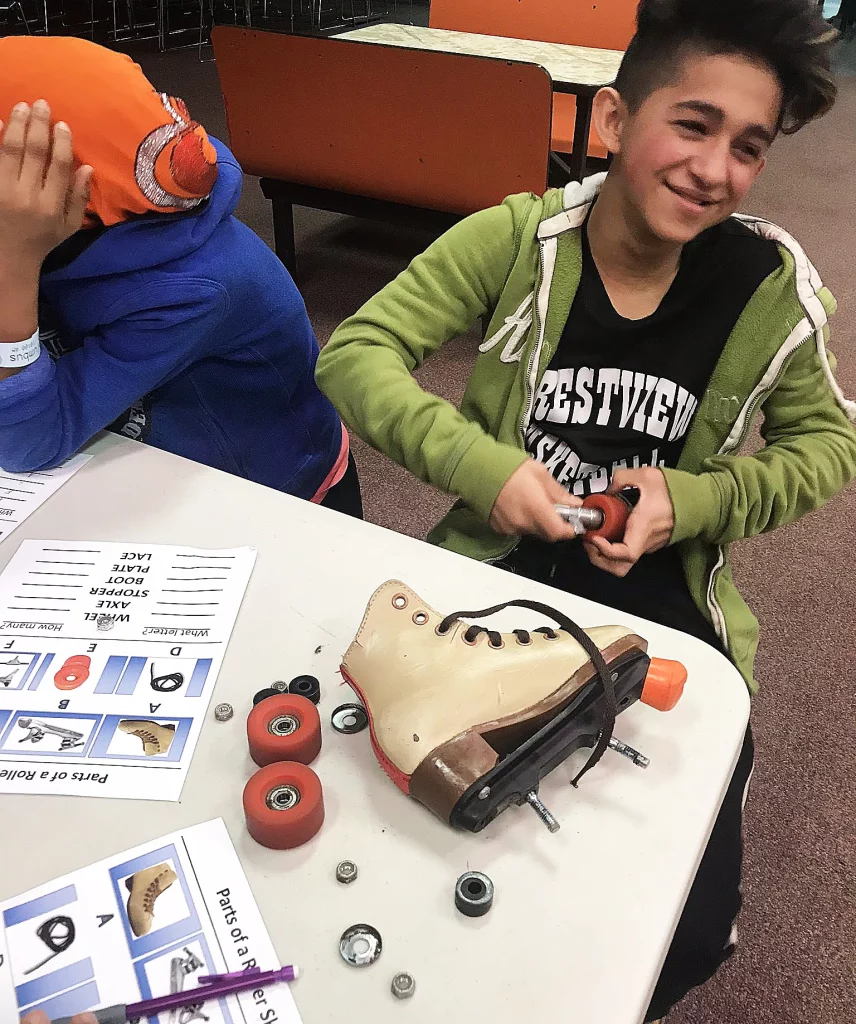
{"x":687,"y":156}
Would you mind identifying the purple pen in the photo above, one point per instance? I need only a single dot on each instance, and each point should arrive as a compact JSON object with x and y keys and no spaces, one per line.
{"x":211,"y":986}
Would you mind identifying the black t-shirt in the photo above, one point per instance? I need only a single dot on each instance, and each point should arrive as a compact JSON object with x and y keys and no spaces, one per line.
{"x":622,"y":393}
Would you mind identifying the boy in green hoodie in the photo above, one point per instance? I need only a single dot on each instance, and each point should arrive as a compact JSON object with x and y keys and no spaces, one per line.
{"x":636,"y":327}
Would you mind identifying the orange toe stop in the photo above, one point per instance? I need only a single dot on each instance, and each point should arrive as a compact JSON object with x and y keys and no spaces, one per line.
{"x":664,"y":684}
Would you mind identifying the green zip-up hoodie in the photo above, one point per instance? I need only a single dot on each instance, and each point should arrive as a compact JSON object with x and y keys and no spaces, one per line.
{"x":519,"y":265}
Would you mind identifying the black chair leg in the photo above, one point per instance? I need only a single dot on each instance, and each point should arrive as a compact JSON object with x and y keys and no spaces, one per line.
{"x":283,"y":233}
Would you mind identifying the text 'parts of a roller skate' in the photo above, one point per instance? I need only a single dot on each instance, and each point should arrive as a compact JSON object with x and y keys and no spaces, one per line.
{"x":108,"y":658}
{"x":152,"y":921}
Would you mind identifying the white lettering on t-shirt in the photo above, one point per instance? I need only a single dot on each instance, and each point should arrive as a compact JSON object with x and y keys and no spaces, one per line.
{"x":561,"y":406}
{"x":664,"y":397}
{"x":649,"y":404}
{"x":582,"y":408}
{"x":641,"y":403}
{"x":632,"y":385}
{"x":607,"y":384}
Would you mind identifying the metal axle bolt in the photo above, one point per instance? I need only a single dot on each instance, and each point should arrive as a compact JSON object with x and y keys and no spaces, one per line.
{"x":542,"y":812}
{"x":640,"y":760}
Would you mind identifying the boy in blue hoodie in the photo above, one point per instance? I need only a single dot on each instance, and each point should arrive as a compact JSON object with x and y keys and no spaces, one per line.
{"x":132,"y":298}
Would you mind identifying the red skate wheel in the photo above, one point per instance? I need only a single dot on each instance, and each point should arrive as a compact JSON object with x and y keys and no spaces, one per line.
{"x":284,"y":728}
{"x":73,"y":673}
{"x":615,"y":511}
{"x":283,"y":805}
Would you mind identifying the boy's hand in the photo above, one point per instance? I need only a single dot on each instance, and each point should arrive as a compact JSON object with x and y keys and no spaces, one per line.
{"x":649,"y":527}
{"x":40,"y":1017}
{"x":525,"y":505}
{"x":42,"y":198}
{"x":42,"y":202}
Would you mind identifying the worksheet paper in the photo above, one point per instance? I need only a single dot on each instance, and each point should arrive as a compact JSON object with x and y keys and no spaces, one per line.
{"x":22,"y":493}
{"x":108,"y":658}
{"x":112,"y":950}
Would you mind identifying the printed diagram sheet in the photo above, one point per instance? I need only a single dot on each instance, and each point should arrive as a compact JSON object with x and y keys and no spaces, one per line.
{"x":22,"y":493}
{"x":139,"y":925}
{"x":108,"y":657}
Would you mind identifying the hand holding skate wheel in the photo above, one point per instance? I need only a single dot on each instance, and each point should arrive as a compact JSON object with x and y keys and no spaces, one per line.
{"x":284,"y":728}
{"x":283,"y":805}
{"x":664,"y":684}
{"x":616,"y":511}
{"x":73,"y":673}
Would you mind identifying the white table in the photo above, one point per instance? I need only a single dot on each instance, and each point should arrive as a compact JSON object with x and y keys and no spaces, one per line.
{"x":580,"y":70}
{"x":581,"y":920}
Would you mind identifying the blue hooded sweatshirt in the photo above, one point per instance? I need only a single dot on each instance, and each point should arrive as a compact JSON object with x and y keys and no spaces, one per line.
{"x":186,"y":332}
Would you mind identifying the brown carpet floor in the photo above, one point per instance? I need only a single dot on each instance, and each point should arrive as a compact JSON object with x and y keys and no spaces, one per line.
{"x":796,"y":962}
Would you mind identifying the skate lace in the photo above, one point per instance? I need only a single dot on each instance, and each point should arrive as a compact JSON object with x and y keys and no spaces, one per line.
{"x":610,"y":705}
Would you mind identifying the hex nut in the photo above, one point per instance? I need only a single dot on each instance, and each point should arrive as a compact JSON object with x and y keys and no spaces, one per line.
{"x":403,"y":985}
{"x":346,"y":872}
{"x":223,"y":712}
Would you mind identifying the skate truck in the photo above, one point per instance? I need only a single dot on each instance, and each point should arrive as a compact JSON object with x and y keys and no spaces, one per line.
{"x":468,"y":720}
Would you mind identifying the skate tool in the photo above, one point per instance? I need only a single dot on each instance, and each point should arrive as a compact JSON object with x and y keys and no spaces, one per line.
{"x":601,"y":515}
{"x":468,"y":720}
{"x":37,"y":730}
{"x":211,"y":986}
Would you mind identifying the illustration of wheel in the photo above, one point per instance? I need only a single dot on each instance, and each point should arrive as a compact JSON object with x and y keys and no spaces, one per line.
{"x":73,"y":673}
{"x":283,"y":805}
{"x":284,"y":728}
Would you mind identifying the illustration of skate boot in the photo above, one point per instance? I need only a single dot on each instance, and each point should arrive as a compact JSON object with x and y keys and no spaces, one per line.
{"x":156,"y":737}
{"x":468,"y":720}
{"x":144,"y":887}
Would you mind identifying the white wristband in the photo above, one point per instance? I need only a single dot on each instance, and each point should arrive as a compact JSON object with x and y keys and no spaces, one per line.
{"x":18,"y":354}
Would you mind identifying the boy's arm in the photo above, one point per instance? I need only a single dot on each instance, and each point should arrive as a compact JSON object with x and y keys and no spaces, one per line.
{"x":365,"y":369}
{"x":809,"y":455}
{"x":50,"y":409}
{"x":42,"y":202}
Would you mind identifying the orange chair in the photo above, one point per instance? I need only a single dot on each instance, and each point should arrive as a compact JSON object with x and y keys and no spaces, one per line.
{"x":379,"y":131}
{"x":607,"y":24}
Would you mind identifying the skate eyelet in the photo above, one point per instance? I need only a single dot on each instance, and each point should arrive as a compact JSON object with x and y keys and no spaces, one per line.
{"x":470,"y":643}
{"x":420,"y":618}
{"x":441,"y":632}
{"x":399,"y":601}
{"x":497,"y":647}
{"x":525,"y":643}
{"x":550,"y":636}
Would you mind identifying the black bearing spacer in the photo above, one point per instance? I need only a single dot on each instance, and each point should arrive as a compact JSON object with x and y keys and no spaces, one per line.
{"x":306,"y":686}
{"x":268,"y":691}
{"x":474,"y":894}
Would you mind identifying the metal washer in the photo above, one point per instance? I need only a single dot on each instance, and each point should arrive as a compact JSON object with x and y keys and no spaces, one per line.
{"x":349,"y":718}
{"x":223,"y":712}
{"x":360,"y":945}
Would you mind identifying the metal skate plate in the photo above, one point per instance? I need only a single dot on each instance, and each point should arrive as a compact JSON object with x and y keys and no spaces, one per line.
{"x":520,"y":770}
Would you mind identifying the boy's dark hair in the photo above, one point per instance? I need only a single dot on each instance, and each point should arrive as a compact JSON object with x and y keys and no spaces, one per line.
{"x":790,"y":36}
